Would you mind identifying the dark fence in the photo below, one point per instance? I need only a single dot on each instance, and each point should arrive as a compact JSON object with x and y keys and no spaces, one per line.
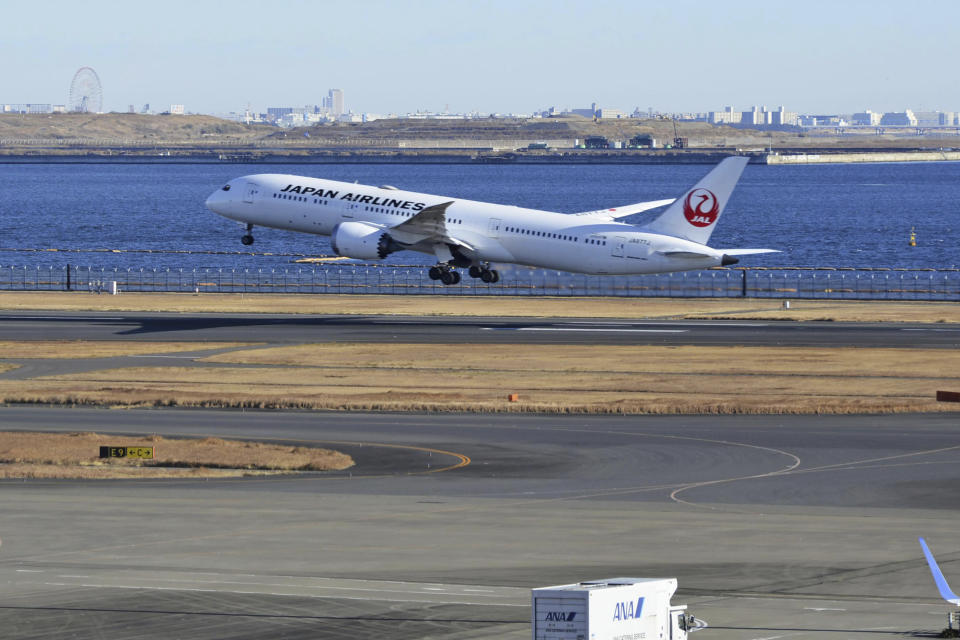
{"x":855,"y":284}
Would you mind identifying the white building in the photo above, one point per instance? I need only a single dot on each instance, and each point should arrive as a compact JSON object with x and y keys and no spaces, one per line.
{"x":866,"y":118}
{"x":177,"y":110}
{"x":727,"y":116}
{"x":610,"y":114}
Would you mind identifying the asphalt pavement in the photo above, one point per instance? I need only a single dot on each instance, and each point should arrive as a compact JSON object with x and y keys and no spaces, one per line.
{"x":775,"y":526}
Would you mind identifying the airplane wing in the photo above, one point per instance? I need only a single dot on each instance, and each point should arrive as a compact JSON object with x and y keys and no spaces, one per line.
{"x":628,"y":210}
{"x":430,"y":225}
{"x":944,"y":588}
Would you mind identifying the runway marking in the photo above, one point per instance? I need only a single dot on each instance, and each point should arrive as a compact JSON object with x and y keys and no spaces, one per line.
{"x":62,"y":318}
{"x":690,"y":323}
{"x":29,"y":571}
{"x":173,"y":357}
{"x":586,"y":330}
{"x":290,"y":595}
{"x":822,"y":609}
{"x":306,"y":584}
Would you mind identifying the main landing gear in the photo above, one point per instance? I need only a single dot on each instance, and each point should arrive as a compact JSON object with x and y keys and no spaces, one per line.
{"x":447,"y":275}
{"x":444,"y":273}
{"x":247,"y":239}
{"x":485,"y":273}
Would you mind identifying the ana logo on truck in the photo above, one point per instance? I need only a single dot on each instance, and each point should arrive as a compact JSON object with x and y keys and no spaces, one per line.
{"x":560,"y":616}
{"x":627,"y":610}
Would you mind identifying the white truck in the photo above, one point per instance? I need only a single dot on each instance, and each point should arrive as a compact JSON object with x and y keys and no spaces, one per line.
{"x":613,"y":609}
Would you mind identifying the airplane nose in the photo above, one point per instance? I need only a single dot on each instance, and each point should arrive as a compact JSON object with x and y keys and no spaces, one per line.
{"x":215,"y":201}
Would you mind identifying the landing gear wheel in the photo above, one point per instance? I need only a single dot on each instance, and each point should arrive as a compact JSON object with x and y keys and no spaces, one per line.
{"x":449,"y":277}
{"x":435,"y":273}
{"x":247,"y":240}
{"x":456,"y":277}
{"x":496,"y":276}
{"x":476,"y":272}
{"x":487,"y":276}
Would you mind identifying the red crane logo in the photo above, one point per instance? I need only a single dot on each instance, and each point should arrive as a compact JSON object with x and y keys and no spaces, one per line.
{"x":701,"y":208}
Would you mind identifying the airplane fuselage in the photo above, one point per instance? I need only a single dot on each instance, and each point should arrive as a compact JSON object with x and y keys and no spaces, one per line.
{"x":484,"y":232}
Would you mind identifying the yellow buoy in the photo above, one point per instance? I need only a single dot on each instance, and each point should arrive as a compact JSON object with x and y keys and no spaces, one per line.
{"x":913,"y":237}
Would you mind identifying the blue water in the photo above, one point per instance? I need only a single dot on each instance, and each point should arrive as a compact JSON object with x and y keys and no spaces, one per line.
{"x":822,"y":215}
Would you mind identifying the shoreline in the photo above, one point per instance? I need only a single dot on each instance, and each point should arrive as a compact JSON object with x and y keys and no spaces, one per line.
{"x":482,"y":157}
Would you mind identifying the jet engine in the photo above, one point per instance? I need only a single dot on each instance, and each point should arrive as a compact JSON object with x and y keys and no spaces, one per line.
{"x":362,"y":241}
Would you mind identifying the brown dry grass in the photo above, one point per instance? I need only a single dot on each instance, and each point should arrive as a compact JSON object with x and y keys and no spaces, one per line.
{"x":552,"y":378}
{"x":76,"y":455}
{"x":102,"y":349}
{"x":707,"y":308}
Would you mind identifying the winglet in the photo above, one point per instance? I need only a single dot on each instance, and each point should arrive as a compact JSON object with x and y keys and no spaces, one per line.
{"x":942,"y":585}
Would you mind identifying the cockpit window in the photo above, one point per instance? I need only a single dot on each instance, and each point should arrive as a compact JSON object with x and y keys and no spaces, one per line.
{"x":226,"y":187}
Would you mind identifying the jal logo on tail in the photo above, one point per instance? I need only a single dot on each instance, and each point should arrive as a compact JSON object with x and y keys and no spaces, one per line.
{"x":701,"y":208}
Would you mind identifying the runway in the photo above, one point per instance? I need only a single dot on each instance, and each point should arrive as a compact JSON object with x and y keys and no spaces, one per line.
{"x":800,"y":527}
{"x":287,"y":329}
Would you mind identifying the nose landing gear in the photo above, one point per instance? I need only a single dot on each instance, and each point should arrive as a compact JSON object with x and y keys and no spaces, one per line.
{"x":247,"y":239}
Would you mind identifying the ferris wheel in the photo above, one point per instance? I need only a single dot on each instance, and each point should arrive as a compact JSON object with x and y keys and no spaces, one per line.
{"x":86,"y":95}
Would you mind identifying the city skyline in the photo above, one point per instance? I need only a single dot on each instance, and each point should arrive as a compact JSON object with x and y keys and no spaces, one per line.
{"x":493,"y":58}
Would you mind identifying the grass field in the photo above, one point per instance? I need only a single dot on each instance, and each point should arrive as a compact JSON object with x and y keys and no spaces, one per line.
{"x":707,"y":308}
{"x":76,"y":455}
{"x":458,"y":377}
{"x":547,"y":378}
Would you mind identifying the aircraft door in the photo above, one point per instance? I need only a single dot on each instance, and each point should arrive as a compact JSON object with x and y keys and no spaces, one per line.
{"x":250,"y":191}
{"x":493,"y":230}
{"x":616,"y":247}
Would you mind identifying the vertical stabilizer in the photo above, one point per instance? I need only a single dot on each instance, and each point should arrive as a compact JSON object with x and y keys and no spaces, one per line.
{"x":693,"y":216}
{"x":945,"y":592}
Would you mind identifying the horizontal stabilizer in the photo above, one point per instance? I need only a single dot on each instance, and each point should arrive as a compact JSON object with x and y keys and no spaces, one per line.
{"x":942,"y":585}
{"x":685,"y":254}
{"x":747,"y":252}
{"x":616,"y":213}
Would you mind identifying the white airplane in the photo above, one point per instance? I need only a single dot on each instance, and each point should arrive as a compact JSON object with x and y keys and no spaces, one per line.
{"x":369,"y":223}
{"x":945,"y":592}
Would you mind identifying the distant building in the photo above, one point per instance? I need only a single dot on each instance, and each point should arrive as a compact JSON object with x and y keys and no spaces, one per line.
{"x":333,"y":103}
{"x":27,"y":108}
{"x":829,"y":120}
{"x":783,"y":118}
{"x":277,"y":113}
{"x":935,"y":118}
{"x":755,"y":116}
{"x":596,"y":142}
{"x":644,"y":140}
{"x":610,"y":114}
{"x":904,"y":118}
{"x":727,"y":116}
{"x":177,"y":110}
{"x":866,"y":118}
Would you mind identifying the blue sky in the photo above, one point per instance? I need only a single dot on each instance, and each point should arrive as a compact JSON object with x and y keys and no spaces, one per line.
{"x":493,"y":56}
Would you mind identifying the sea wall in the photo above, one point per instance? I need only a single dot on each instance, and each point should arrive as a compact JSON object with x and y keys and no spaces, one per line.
{"x":885,"y":156}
